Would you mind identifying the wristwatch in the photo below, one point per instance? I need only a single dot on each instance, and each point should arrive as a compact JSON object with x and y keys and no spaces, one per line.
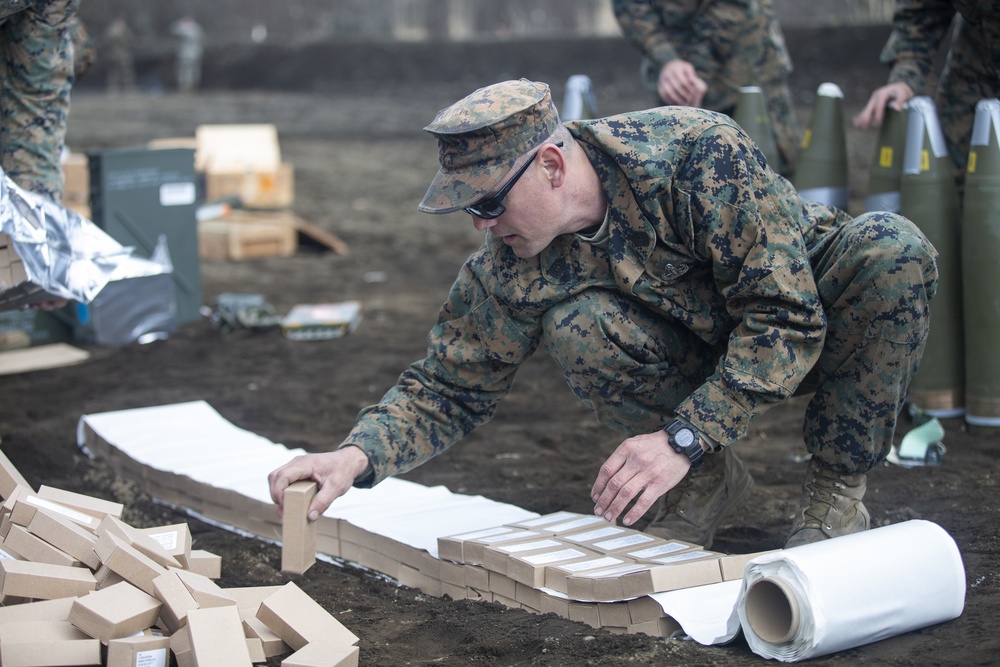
{"x":684,"y":440}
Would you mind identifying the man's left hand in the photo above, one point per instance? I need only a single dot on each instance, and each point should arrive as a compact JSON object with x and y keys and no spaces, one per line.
{"x":643,"y":468}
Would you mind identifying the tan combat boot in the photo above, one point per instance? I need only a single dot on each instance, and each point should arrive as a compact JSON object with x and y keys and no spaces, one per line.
{"x":692,"y":510}
{"x":830,"y":506}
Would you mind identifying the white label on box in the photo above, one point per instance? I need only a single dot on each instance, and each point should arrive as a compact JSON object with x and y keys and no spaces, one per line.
{"x":529,"y":546}
{"x":659,"y":550}
{"x":553,"y":556}
{"x":479,"y":534}
{"x":592,"y":535}
{"x":595,"y":564}
{"x":494,"y":539}
{"x":615,"y":571}
{"x":44,"y":504}
{"x":177,"y":194}
{"x":166,"y":540}
{"x":578,"y":523}
{"x":691,"y":555}
{"x":545,"y":520}
{"x":625,"y":541}
{"x":154,"y":658}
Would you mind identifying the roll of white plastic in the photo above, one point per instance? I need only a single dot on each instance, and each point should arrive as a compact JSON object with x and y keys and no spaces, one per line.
{"x":835,"y":595}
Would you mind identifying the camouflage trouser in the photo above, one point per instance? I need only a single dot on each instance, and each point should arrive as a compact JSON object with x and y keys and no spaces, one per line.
{"x":875,"y":277}
{"x":723,"y":98}
{"x":968,"y":77}
{"x":36,"y":75}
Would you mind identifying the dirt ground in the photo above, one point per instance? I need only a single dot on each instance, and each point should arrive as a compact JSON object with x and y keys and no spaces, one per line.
{"x":349,"y":118}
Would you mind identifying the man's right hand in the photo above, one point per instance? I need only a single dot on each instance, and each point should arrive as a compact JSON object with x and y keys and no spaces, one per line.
{"x":680,"y":84}
{"x":334,"y":472}
{"x":896,"y":94}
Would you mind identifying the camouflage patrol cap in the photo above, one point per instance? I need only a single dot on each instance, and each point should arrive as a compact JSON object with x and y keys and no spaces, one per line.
{"x":481,"y":137}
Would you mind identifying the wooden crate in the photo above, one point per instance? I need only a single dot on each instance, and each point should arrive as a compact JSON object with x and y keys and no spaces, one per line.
{"x":246,"y":237}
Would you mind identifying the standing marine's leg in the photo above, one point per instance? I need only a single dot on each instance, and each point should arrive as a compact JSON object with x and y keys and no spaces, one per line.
{"x":876,"y":277}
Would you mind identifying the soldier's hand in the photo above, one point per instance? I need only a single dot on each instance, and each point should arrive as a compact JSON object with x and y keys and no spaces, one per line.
{"x":643,"y":468}
{"x":334,"y":472}
{"x":896,"y":94}
{"x":679,"y":83}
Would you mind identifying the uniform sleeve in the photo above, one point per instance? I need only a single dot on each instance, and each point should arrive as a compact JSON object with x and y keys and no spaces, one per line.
{"x":643,"y":27}
{"x":918,"y":28}
{"x":734,"y":217}
{"x":473,"y":352}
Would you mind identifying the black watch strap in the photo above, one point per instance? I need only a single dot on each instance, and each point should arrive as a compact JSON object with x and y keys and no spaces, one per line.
{"x":684,"y":439}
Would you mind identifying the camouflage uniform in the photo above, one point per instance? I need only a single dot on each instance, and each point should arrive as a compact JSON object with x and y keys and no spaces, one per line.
{"x":36,"y":67}
{"x":731,"y":43}
{"x":711,"y":291}
{"x":972,"y":71}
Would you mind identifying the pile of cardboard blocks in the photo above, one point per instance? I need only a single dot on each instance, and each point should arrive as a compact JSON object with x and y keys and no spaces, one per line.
{"x":79,"y":586}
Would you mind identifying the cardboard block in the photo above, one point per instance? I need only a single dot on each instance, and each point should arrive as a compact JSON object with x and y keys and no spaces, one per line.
{"x":452,"y":573}
{"x":453,"y":591}
{"x":474,"y":550}
{"x":7,"y":553}
{"x":204,"y":563}
{"x":175,"y":539}
{"x":139,"y":540}
{"x":248,"y":598}
{"x":583,"y":612}
{"x":477,"y":577}
{"x":501,"y":584}
{"x":128,"y":562}
{"x":643,"y":609}
{"x":106,"y":578}
{"x":66,"y":535}
{"x":217,"y":638}
{"x":115,"y":612}
{"x":142,"y":651}
{"x":298,"y":619}
{"x":414,"y":578}
{"x":539,"y":523}
{"x":613,"y":614}
{"x":732,"y":566}
{"x":529,"y":597}
{"x":10,"y":477}
{"x":529,"y":568}
{"x":176,"y":598}
{"x":601,"y":585}
{"x":578,"y":523}
{"x":25,"y":505}
{"x":180,"y":646}
{"x":206,"y":592}
{"x":36,"y":549}
{"x":96,"y":507}
{"x":673,"y":576}
{"x":43,"y":581}
{"x":625,"y":542}
{"x":556,"y":575}
{"x":56,"y":609}
{"x":662,"y":549}
{"x":272,"y":188}
{"x":318,"y":654}
{"x":270,"y":642}
{"x":550,"y":604}
{"x":496,"y":557}
{"x":298,"y":533}
{"x":451,"y":547}
{"x":230,"y":240}
{"x":255,"y":649}
{"x":506,"y":601}
{"x":661,"y":627}
{"x":40,"y":643}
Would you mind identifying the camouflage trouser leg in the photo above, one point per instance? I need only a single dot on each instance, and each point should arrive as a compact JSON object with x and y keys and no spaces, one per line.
{"x":968,"y":78}
{"x":627,"y":363}
{"x":36,"y":70}
{"x":876,"y":277}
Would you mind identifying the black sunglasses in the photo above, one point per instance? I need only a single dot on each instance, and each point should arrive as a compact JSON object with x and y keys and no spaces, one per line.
{"x":491,"y":208}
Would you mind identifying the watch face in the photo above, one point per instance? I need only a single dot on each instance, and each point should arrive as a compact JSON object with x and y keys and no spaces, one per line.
{"x":684,"y":437}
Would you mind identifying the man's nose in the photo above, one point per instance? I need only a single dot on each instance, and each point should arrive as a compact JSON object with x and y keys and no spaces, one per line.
{"x":482,"y":224}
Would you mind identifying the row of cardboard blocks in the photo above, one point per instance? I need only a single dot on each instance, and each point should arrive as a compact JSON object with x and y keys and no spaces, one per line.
{"x":607,"y":585}
{"x":581,"y":567}
{"x":79,"y":586}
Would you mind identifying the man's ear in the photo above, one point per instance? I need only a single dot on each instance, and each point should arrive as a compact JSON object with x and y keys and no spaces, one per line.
{"x":553,"y":161}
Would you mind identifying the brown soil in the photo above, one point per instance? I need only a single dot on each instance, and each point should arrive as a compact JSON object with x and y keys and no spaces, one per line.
{"x":349,"y":118}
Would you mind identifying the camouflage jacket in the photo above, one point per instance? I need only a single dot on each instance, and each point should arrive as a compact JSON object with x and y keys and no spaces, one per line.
{"x":919,"y":27}
{"x":698,"y":231}
{"x":731,"y":43}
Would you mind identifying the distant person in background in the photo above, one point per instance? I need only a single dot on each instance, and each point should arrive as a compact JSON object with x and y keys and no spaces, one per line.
{"x":190,"y":37}
{"x":121,"y":74}
{"x":699,"y":53}
{"x":971,"y":72}
{"x":84,"y":51}
{"x":36,"y":76}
